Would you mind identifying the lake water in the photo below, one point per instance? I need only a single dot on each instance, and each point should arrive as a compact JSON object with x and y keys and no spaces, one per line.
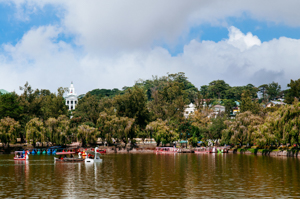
{"x":152,"y":176}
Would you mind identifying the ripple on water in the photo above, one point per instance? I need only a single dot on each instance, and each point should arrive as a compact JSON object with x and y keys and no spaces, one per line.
{"x":152,"y":176}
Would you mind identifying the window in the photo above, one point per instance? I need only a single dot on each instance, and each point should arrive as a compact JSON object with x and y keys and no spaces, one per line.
{"x":187,"y":112}
{"x":71,"y":107}
{"x":71,"y":102}
{"x":68,"y":102}
{"x":75,"y":102}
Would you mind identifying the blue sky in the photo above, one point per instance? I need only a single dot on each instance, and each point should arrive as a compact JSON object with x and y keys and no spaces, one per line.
{"x":111,"y":44}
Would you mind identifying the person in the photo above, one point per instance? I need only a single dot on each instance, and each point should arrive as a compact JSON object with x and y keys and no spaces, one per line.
{"x":65,"y":156}
{"x":72,"y":156}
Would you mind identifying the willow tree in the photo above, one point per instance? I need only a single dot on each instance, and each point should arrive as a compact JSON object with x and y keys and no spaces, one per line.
{"x":161,"y":132}
{"x":51,"y":129}
{"x":86,"y":134}
{"x":241,"y":130}
{"x":58,"y":130}
{"x":64,"y":135}
{"x":9,"y":130}
{"x":35,"y":131}
{"x":112,"y":126}
{"x":283,"y":125}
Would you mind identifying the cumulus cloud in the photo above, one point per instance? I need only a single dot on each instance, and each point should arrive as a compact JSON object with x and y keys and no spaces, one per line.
{"x":48,"y":64}
{"x":242,"y":41}
{"x":114,"y":45}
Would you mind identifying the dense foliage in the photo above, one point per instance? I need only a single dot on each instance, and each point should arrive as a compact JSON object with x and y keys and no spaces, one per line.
{"x":154,"y":108}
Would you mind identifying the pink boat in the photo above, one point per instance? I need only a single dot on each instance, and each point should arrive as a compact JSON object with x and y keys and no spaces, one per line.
{"x":202,"y":150}
{"x":20,"y":156}
{"x":166,"y":150}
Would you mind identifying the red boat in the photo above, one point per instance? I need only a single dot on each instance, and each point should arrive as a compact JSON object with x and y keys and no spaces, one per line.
{"x":20,"y":156}
{"x":68,"y":159}
{"x":167,"y":150}
{"x":101,"y":151}
{"x":202,"y":150}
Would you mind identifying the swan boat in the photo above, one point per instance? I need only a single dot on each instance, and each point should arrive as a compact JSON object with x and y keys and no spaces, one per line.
{"x":68,"y":157}
{"x":96,"y":156}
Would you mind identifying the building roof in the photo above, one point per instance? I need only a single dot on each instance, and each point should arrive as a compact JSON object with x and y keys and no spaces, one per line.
{"x":2,"y":91}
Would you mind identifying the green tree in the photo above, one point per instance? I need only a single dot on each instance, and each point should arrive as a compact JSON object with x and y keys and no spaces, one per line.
{"x":241,"y":130}
{"x":293,"y":92}
{"x":273,"y":90}
{"x":9,"y":106}
{"x":263,"y":90}
{"x":86,"y":134}
{"x":133,"y":104}
{"x":8,"y":130}
{"x":168,"y":103}
{"x":217,"y":89}
{"x":88,"y":109}
{"x":281,"y":126}
{"x":35,"y":131}
{"x":229,"y":105}
{"x":161,"y":132}
{"x":248,"y":105}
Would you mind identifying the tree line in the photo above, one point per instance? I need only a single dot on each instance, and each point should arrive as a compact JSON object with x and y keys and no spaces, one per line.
{"x":153,"y":109}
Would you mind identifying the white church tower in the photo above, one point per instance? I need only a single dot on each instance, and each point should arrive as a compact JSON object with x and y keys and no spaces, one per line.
{"x":71,"y":99}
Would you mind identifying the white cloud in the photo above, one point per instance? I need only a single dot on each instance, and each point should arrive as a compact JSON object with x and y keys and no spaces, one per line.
{"x":116,"y":38}
{"x":47,"y":64}
{"x":242,"y":41}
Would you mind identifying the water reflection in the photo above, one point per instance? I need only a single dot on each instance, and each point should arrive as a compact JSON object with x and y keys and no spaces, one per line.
{"x":152,"y":176}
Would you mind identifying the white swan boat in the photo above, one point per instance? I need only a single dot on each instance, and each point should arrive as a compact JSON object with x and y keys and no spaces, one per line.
{"x":96,"y":156}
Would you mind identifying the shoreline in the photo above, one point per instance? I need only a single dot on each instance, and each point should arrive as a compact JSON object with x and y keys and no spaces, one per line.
{"x":146,"y":149}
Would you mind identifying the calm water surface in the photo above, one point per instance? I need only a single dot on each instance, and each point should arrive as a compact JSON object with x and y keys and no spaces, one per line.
{"x":152,"y":176}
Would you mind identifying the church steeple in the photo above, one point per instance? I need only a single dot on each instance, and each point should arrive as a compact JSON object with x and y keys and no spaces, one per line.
{"x":71,"y":89}
{"x":71,"y":99}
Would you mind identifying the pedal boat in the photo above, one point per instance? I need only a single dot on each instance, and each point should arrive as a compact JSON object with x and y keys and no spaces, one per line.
{"x":20,"y":156}
{"x":96,"y":155}
{"x":165,"y":150}
{"x":68,"y":157}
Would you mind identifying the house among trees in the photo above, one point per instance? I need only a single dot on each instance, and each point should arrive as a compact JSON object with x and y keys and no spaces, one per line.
{"x":190,"y":109}
{"x":71,"y":99}
{"x":274,"y":103}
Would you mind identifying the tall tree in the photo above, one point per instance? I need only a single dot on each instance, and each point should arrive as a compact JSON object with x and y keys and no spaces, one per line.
{"x":293,"y":92}
{"x":10,"y":106}
{"x":35,"y":131}
{"x":133,"y":104}
{"x":161,"y":132}
{"x":273,"y":90}
{"x":217,"y":89}
{"x":263,"y":90}
{"x":248,"y":105}
{"x":9,"y":130}
{"x":86,"y":134}
{"x":241,"y":130}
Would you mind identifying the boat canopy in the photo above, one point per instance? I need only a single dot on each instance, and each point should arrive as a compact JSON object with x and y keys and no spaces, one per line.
{"x":18,"y":151}
{"x":64,"y":153}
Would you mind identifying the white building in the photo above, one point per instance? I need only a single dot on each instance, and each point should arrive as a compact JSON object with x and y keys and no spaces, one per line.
{"x":190,"y":109}
{"x":71,"y":99}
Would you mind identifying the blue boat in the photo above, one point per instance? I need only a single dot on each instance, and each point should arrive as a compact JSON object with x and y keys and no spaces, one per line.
{"x":44,"y":152}
{"x":33,"y":152}
{"x":54,"y":151}
{"x":38,"y":152}
{"x":49,"y":151}
{"x":23,"y":151}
